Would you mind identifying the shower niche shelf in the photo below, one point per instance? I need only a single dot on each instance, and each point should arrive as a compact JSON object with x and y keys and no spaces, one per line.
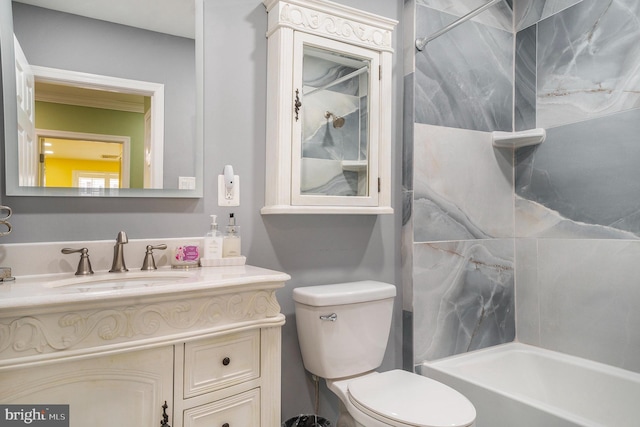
{"x":328,"y":109}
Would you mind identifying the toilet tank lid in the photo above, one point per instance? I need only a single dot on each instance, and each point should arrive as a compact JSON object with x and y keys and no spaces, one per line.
{"x":343,"y":293}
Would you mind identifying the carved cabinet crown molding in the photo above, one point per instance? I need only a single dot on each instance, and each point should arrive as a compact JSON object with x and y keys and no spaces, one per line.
{"x":332,"y":21}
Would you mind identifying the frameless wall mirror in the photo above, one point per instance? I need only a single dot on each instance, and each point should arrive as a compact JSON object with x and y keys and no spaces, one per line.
{"x":108,"y":95}
{"x":328,"y":129}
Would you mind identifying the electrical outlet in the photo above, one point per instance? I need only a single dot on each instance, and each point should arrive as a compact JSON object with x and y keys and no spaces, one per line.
{"x":228,"y":198}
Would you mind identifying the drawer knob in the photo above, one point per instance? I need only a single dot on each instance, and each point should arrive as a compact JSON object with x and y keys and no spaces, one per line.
{"x":225,"y":362}
{"x":225,"y":425}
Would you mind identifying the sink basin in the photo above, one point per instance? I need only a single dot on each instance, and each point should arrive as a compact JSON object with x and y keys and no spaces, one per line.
{"x":108,"y":281}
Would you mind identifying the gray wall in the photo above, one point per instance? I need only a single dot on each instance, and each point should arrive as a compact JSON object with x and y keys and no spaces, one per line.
{"x":313,"y":249}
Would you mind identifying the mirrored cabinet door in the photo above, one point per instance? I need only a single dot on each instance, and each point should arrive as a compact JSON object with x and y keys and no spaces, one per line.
{"x":328,"y":109}
{"x":334,"y":154}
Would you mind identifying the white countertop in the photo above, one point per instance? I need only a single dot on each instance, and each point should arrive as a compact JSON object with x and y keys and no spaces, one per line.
{"x":66,"y":288}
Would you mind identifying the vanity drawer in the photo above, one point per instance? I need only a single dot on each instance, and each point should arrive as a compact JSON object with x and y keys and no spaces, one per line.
{"x":241,"y":410}
{"x":220,"y":362}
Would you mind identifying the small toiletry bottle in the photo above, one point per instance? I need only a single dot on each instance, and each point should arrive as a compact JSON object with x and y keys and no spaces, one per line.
{"x":231,"y":243}
{"x":213,"y":241}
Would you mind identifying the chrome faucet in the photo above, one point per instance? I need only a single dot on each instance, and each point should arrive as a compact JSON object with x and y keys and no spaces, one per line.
{"x":118,"y":265}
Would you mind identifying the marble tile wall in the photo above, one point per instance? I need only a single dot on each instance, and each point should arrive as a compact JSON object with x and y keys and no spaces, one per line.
{"x":464,"y":78}
{"x":577,"y":207}
{"x":559,"y":223}
{"x":464,"y":296}
{"x":463,"y":187}
{"x":588,"y":62}
{"x":580,"y":296}
{"x":528,"y":12}
{"x":498,"y":16}
{"x":458,"y":251}
{"x":583,"y":181}
{"x":524,"y":116}
{"x":462,"y":253}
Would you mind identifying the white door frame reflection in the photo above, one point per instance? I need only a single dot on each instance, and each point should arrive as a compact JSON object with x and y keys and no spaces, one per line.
{"x":70,"y":156}
{"x":154,"y":133}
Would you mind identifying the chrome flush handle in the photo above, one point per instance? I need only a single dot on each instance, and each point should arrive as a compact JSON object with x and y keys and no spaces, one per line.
{"x":331,"y":317}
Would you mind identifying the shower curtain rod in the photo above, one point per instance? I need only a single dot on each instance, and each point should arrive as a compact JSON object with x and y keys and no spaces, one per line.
{"x":422,"y":42}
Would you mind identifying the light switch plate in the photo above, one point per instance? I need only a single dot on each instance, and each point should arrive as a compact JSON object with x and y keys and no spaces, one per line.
{"x":186,"y":182}
{"x":223,"y":200}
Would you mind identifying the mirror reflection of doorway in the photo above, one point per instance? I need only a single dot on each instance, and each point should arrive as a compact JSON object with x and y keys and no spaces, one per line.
{"x":62,"y":100}
{"x":69,"y":159}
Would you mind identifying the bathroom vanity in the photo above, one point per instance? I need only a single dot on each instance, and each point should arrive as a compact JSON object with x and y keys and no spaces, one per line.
{"x":116,"y":347}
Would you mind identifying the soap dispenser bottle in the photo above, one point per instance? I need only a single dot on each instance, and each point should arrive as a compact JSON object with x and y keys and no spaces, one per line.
{"x":213,"y":241}
{"x":231,"y":243}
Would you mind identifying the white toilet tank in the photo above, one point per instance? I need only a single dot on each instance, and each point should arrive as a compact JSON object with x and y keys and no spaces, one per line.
{"x":343,"y":328}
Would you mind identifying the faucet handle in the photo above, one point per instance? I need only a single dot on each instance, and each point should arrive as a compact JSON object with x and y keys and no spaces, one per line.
{"x":84,"y":266}
{"x":149,"y":262}
{"x":122,"y":238}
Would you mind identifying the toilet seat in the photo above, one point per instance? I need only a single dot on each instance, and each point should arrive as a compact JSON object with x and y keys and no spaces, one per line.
{"x":401,"y":398}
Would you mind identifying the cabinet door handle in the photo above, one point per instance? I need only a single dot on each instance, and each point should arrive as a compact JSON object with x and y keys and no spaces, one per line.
{"x":226,"y":361}
{"x":297,"y":104}
{"x":165,"y":417}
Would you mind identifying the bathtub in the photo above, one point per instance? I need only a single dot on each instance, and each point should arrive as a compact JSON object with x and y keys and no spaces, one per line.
{"x":517,"y":385}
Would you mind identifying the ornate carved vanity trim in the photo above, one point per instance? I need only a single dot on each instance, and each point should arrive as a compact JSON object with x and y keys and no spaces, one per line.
{"x":80,"y":329}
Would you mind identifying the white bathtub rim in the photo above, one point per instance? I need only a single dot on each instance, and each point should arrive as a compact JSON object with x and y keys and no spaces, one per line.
{"x":615,"y":371}
{"x":447,"y":365}
{"x":559,"y":412}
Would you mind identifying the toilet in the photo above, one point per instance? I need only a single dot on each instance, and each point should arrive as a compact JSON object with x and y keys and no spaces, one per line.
{"x":343,"y":331}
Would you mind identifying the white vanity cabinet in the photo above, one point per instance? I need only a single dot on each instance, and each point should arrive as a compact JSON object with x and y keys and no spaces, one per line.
{"x":230,"y":380}
{"x":209,"y":348}
{"x":328,"y":109}
{"x":126,"y":389}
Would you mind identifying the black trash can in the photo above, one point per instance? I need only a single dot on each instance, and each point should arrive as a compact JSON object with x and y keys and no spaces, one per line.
{"x":306,"y":421}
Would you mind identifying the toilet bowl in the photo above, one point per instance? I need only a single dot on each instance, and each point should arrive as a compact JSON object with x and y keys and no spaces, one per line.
{"x":400,"y":399}
{"x":343,"y":331}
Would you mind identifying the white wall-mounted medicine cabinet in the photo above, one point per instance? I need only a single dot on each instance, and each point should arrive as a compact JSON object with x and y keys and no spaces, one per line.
{"x":328,"y":109}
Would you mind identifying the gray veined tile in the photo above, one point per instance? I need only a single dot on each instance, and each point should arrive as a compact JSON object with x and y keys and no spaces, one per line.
{"x":536,"y":220}
{"x":406,"y":255}
{"x":465,"y":291}
{"x":462,"y":186}
{"x":588,"y":62}
{"x":407,"y":134}
{"x":584,"y":181}
{"x":407,"y":206}
{"x":498,"y":16}
{"x":464,"y":78}
{"x":528,"y":12}
{"x":527,"y":295}
{"x":438,"y":220}
{"x":589,"y":298}
{"x":525,"y":80}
